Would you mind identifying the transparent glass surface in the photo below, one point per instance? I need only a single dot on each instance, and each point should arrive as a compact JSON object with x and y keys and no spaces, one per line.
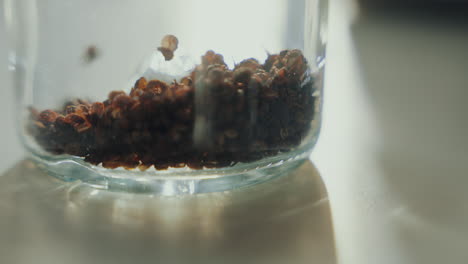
{"x":168,"y":96}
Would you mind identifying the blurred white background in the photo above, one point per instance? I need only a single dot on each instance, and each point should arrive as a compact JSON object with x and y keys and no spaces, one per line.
{"x":393,"y":149}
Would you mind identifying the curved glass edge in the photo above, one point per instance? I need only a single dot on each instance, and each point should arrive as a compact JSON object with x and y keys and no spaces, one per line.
{"x":175,"y":181}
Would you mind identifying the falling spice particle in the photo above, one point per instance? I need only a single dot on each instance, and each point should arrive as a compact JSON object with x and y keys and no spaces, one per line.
{"x":169,"y":44}
{"x":91,"y":54}
{"x":255,"y":111}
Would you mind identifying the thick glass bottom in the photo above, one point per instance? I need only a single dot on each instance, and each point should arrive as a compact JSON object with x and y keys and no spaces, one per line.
{"x":169,"y":182}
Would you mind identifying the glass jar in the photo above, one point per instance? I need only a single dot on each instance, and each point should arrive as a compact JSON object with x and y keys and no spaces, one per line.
{"x":168,"y":97}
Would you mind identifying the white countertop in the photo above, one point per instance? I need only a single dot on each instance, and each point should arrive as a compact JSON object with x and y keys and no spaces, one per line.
{"x":44,"y":220}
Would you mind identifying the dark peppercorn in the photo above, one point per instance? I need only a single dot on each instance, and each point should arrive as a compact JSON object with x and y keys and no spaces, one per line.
{"x":48,"y":116}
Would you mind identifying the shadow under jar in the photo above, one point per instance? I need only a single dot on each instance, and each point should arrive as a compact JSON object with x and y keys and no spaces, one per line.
{"x":168,"y":97}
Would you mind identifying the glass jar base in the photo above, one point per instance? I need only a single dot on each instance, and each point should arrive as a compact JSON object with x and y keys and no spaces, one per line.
{"x":170,"y":182}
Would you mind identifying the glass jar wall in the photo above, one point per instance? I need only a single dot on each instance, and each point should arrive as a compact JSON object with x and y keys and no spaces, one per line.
{"x":168,"y":96}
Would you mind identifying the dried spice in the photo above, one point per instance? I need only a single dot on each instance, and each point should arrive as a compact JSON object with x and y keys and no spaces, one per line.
{"x":168,"y":45}
{"x":91,"y":54}
{"x":215,"y":117}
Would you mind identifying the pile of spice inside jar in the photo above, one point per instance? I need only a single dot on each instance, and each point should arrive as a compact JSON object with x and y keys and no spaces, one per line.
{"x":214,"y":117}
